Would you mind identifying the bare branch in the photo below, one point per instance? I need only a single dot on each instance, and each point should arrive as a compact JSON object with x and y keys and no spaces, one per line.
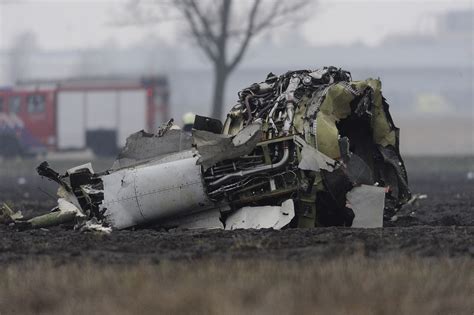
{"x":248,"y":35}
{"x":279,"y":14}
{"x":215,"y":26}
{"x":204,"y":20}
{"x":204,"y":39}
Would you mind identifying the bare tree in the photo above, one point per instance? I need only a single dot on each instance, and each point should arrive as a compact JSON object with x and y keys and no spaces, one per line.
{"x":224,"y":29}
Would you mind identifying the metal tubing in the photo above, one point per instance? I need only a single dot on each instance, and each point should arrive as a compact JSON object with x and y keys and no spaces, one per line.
{"x":263,"y":168}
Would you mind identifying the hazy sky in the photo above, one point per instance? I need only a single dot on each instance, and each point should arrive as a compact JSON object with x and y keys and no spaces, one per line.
{"x":71,"y":24}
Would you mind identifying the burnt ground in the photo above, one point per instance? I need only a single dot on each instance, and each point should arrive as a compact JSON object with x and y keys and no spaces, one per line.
{"x":442,"y":225}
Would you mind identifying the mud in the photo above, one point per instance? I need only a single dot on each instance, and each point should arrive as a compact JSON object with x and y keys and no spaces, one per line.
{"x":440,"y":225}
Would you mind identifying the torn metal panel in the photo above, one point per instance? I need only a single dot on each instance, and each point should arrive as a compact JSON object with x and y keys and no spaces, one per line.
{"x":66,"y":206}
{"x":215,"y":148}
{"x":264,"y":217}
{"x":313,"y":160}
{"x":358,"y":171}
{"x":142,"y":146}
{"x":399,"y":186}
{"x":368,"y":203}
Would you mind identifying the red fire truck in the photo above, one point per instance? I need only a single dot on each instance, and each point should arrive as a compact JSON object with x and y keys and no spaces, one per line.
{"x":74,"y":114}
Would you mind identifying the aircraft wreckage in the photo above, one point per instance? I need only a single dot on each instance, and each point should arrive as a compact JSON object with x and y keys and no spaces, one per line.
{"x":303,"y":149}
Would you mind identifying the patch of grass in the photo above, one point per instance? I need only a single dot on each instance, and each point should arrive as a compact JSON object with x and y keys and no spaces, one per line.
{"x":355,"y":285}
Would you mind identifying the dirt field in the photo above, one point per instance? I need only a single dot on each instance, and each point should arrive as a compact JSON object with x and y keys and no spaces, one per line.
{"x":440,"y":225}
{"x":422,"y":263}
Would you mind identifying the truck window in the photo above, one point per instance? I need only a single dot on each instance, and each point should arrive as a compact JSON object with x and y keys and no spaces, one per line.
{"x":14,"y":104}
{"x":35,"y":104}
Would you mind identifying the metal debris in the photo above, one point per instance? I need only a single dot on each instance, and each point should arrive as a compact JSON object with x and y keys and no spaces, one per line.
{"x":263,"y":217}
{"x":65,"y":212}
{"x":313,"y":160}
{"x":416,"y":197}
{"x":93,"y":225}
{"x":367,"y":202}
{"x":214,"y":148}
{"x":303,"y":149}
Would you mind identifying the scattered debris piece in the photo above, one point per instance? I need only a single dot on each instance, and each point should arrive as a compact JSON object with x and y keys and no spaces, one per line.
{"x":416,"y":197}
{"x":93,"y":225}
{"x":367,"y":202}
{"x":7,"y":215}
{"x":303,"y":149}
{"x":65,"y":212}
{"x":263,"y":217}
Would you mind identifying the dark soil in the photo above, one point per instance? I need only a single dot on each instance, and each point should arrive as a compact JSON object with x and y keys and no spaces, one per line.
{"x":440,"y":225}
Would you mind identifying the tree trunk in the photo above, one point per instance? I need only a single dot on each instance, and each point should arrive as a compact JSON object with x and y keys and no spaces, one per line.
{"x":220,"y":80}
